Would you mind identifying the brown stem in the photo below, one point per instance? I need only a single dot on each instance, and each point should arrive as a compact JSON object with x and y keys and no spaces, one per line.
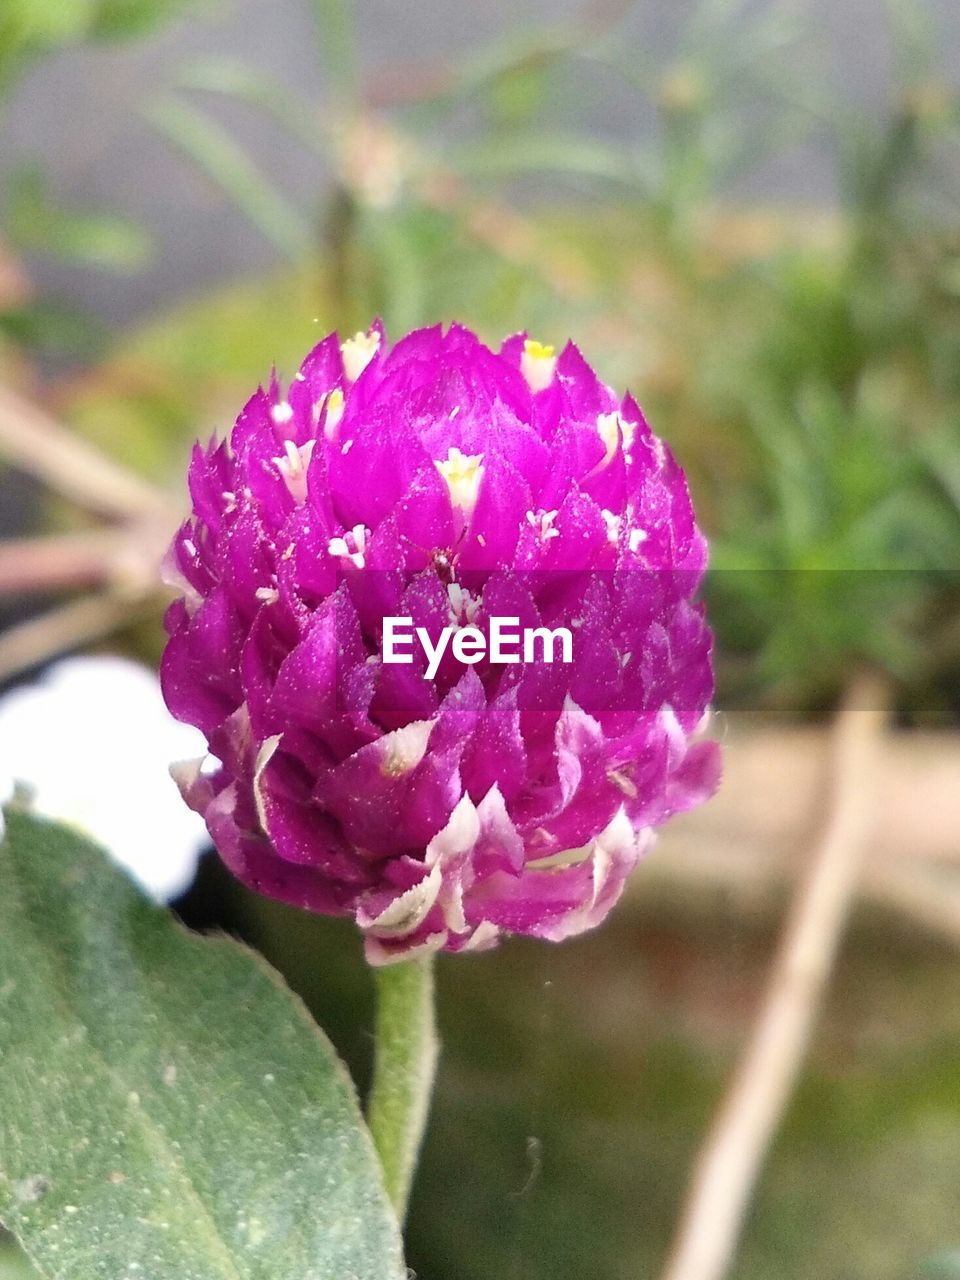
{"x":728,"y":1166}
{"x":66,"y":627}
{"x":58,"y":561}
{"x":35,"y":443}
{"x":926,"y":898}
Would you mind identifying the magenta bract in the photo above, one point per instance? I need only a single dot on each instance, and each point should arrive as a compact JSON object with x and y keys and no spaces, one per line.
{"x":447,"y":484}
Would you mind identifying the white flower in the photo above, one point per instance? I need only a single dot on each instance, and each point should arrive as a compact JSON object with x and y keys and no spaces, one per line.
{"x":92,"y":743}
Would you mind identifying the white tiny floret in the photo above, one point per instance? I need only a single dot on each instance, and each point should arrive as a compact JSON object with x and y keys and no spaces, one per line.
{"x":463,"y":607}
{"x":538,"y":364}
{"x":293,"y":467}
{"x":463,"y":473}
{"x":634,"y":539}
{"x":608,"y":428}
{"x":358,"y":351}
{"x":614,"y":429}
{"x":267,"y":595}
{"x":628,"y":430}
{"x":613,"y":524}
{"x":542,"y":521}
{"x":484,"y":935}
{"x":351,"y":546}
{"x":334,"y":414}
{"x":403,"y":749}
{"x":282,"y":413}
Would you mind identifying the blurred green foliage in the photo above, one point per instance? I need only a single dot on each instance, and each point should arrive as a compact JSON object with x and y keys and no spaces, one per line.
{"x":32,"y":28}
{"x":31,"y":218}
{"x":13,"y":1264}
{"x":808,"y":380}
{"x":35,"y":222}
{"x":944,"y":1265}
{"x":804,"y":365}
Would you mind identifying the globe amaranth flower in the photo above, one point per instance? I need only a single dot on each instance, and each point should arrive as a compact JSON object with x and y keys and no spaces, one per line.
{"x":442,"y":483}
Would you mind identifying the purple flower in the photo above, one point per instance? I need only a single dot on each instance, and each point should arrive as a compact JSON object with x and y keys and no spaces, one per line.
{"x":441,"y":483}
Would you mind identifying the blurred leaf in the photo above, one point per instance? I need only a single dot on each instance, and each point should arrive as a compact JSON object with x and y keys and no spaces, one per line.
{"x":167,"y":1108}
{"x":395,"y":240}
{"x":520,"y":93}
{"x":504,"y":155}
{"x":37,"y":22}
{"x":236,"y":79}
{"x":511,"y":53}
{"x":14,"y":1264}
{"x":49,"y":327}
{"x":941,"y":1266}
{"x":335,"y":22}
{"x":30,"y":28}
{"x":228,"y":165}
{"x":941,"y":453}
{"x":35,"y":222}
{"x":124,"y":19}
{"x":914,"y":38}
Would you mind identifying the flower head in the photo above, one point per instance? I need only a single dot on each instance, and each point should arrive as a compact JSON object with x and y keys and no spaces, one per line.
{"x":449,"y":795}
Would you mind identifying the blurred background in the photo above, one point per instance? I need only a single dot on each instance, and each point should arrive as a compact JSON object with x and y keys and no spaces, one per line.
{"x":749,"y":214}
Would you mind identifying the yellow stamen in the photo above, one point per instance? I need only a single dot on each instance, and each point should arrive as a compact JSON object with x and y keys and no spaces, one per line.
{"x":358,"y":351}
{"x":463,"y":474}
{"x":334,"y":413}
{"x":537,"y":364}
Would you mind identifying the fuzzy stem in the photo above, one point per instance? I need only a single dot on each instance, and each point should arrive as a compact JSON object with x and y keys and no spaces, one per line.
{"x":406,"y":1056}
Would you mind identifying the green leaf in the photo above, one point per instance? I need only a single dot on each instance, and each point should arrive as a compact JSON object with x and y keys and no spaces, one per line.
{"x":942,"y":1266}
{"x":225,"y":162}
{"x":31,"y":28}
{"x":35,"y":222}
{"x":234,"y":78}
{"x":125,"y":19}
{"x":167,"y":1108}
{"x":14,"y":1264}
{"x":46,"y":326}
{"x":506,"y":155}
{"x":336,"y":33}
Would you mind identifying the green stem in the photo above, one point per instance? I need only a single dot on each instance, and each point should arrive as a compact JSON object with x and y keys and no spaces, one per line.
{"x":406,"y":1056}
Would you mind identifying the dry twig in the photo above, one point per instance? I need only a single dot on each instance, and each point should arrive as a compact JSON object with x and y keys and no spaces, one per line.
{"x":923,"y":896}
{"x":35,"y":443}
{"x":67,"y":627}
{"x":728,"y":1166}
{"x":54,"y":562}
{"x":126,"y":556}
